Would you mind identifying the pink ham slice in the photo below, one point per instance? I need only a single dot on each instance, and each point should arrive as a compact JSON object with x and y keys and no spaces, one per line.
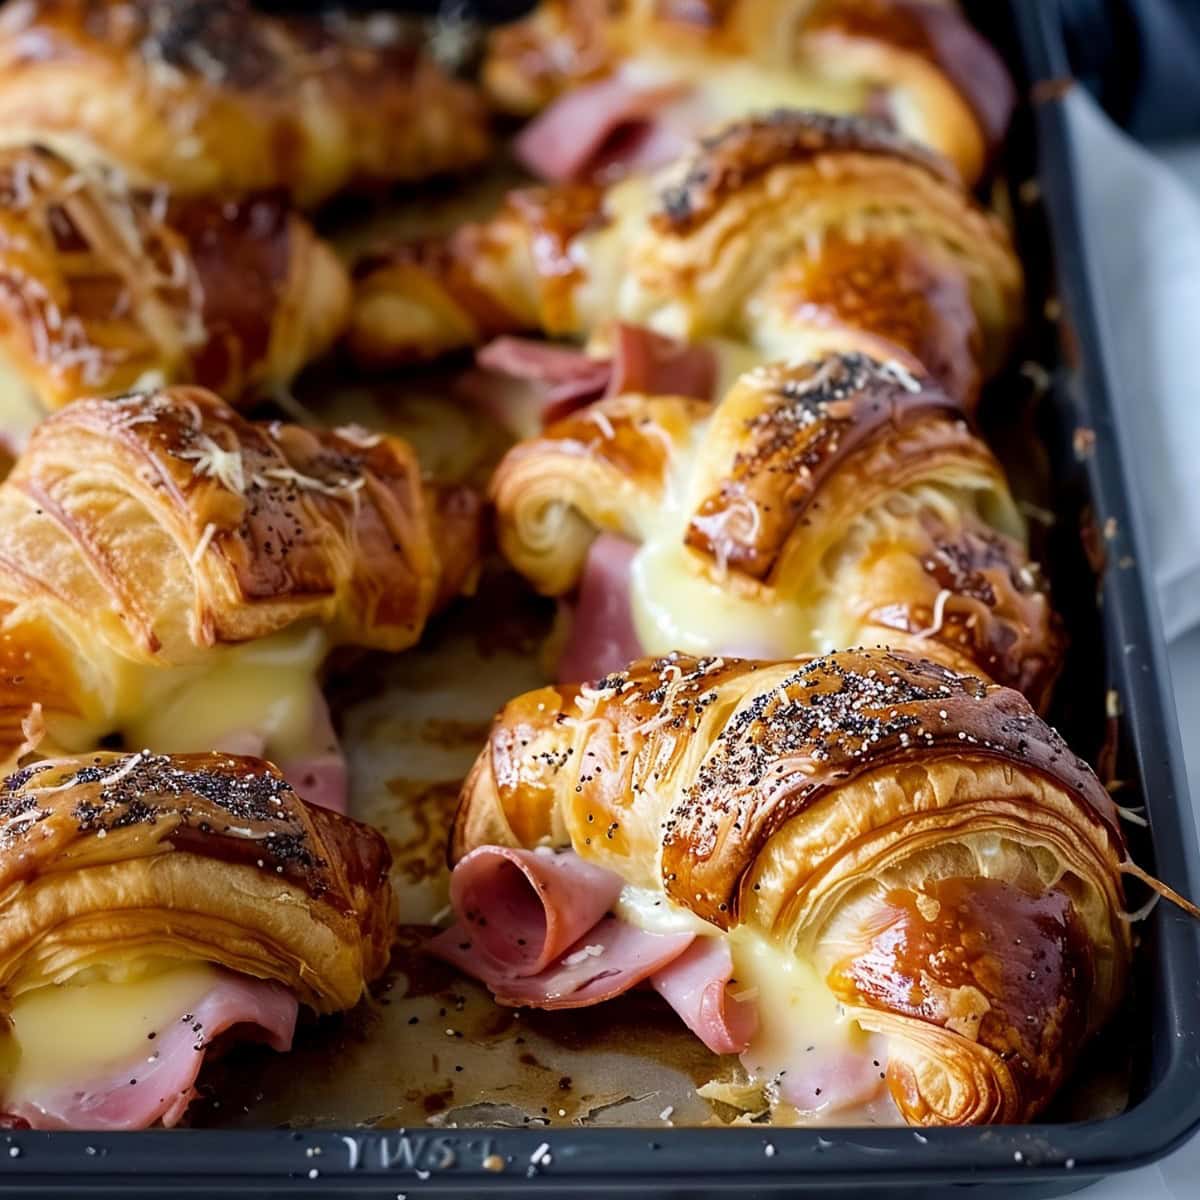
{"x":565,"y":379}
{"x":524,"y":908}
{"x":696,"y":986}
{"x":608,"y":960}
{"x":645,"y":361}
{"x":166,"y":1072}
{"x":532,"y":927}
{"x":569,"y":140}
{"x":602,"y":636}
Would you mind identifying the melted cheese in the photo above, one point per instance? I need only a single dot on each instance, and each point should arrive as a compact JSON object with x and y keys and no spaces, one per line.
{"x":729,"y":88}
{"x":796,"y":1009}
{"x":71,"y":1033}
{"x":239,"y":694}
{"x":19,"y":407}
{"x":651,"y":910}
{"x":263,"y":688}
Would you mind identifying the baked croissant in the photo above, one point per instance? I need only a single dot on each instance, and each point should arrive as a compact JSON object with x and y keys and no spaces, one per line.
{"x":177,"y":574}
{"x":628,"y":81}
{"x":208,"y":96}
{"x":775,"y":840}
{"x":151,"y":903}
{"x":786,"y":232}
{"x":835,"y":502}
{"x":105,"y":288}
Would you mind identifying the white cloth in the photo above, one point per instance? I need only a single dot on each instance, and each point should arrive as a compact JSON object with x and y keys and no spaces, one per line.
{"x":1142,"y":229}
{"x":1142,"y":225}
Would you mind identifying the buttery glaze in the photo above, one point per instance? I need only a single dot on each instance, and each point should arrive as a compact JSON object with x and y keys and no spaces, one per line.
{"x":770,"y":233}
{"x":818,"y":505}
{"x":919,"y":837}
{"x":922,"y":67}
{"x":150,"y":542}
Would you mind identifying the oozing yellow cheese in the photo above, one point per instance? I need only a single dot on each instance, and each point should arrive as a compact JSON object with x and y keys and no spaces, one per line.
{"x":263,"y":687}
{"x":19,"y":407}
{"x":734,"y":87}
{"x":75,"y":1032}
{"x":796,"y":1009}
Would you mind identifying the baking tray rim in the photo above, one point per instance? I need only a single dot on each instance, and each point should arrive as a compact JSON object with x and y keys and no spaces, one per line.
{"x":448,"y":1159}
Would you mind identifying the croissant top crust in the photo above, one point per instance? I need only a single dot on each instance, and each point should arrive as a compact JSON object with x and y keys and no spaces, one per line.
{"x":199,"y":855}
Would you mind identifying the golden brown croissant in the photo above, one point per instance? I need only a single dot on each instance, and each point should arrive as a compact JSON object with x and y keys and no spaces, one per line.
{"x":684,"y":65}
{"x":156,"y":901}
{"x":105,"y":289}
{"x":175,"y":573}
{"x":868,"y":830}
{"x":787,"y":232}
{"x":208,"y":96}
{"x":835,"y":502}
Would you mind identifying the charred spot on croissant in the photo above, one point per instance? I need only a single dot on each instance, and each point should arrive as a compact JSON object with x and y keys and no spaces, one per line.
{"x":743,"y":150}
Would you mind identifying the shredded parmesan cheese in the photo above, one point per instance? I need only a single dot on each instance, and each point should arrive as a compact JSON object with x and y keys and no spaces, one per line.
{"x":581,"y":956}
{"x":207,"y":536}
{"x":225,"y":466}
{"x":939,"y":615}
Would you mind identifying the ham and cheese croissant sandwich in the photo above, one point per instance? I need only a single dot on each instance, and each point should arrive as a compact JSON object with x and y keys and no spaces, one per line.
{"x":834,"y":502}
{"x":784,"y":233}
{"x":106,"y":288}
{"x":628,"y":83}
{"x":155,"y":904}
{"x":175,"y":574}
{"x":210,"y":96}
{"x":889,"y":887}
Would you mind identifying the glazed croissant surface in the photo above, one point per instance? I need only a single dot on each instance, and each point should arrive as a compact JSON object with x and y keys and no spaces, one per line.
{"x":109,"y":859}
{"x":819,"y":504}
{"x":106,"y":288}
{"x":786,"y":232}
{"x":919,"y":65}
{"x":919,"y":838}
{"x":210,"y":96}
{"x":150,"y":539}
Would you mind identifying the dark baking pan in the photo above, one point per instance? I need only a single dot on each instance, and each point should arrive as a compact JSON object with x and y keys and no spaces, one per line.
{"x":1115,"y":706}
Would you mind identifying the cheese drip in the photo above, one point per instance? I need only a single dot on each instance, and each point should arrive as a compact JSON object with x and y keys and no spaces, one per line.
{"x":808,"y":1061}
{"x":806,"y":1049}
{"x":257,"y":690}
{"x":684,"y":601}
{"x":73,"y":1033}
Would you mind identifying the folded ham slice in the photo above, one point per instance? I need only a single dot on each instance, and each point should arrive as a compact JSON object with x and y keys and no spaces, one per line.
{"x":524,"y":908}
{"x":608,"y":960}
{"x":160,"y":1084}
{"x":532,"y":926}
{"x":601,"y":634}
{"x":561,"y":377}
{"x":696,"y":986}
{"x":569,"y":139}
{"x":565,"y":379}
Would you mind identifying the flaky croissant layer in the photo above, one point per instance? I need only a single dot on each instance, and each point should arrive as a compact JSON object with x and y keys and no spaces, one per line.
{"x":816,"y":504}
{"x":152,"y":904}
{"x":152,"y":540}
{"x":785,"y":231}
{"x":918,"y":838}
